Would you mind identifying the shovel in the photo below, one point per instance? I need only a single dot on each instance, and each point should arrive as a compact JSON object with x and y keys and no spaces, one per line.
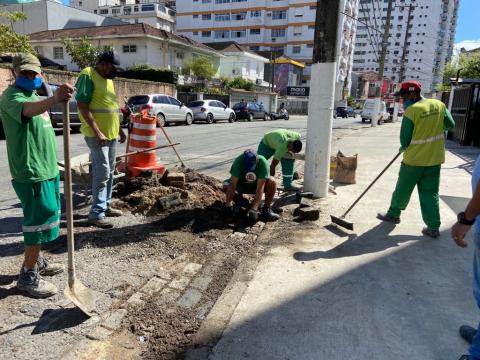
{"x":347,"y":224}
{"x":76,"y":292}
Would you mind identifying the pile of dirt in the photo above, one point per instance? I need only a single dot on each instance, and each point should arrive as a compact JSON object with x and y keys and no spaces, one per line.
{"x":144,"y":194}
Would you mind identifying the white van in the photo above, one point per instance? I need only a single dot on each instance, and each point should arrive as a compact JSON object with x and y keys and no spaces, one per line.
{"x":369,"y":108}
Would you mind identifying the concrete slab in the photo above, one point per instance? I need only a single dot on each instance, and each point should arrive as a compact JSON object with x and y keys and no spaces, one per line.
{"x":379,"y":292}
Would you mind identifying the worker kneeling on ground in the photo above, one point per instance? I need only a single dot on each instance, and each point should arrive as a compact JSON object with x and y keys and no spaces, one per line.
{"x":277,"y":143}
{"x":423,"y":143}
{"x":249,"y":175}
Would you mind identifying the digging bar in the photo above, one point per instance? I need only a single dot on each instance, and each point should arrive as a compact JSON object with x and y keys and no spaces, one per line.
{"x":172,"y":144}
{"x":76,"y":292}
{"x":347,"y":224}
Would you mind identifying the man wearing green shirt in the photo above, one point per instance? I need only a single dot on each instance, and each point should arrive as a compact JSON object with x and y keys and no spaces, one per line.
{"x":249,"y":175}
{"x":277,"y":143}
{"x":422,"y":142}
{"x":100,"y":117}
{"x":32,"y":158}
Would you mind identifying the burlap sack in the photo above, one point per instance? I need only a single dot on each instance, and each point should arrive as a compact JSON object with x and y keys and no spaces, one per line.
{"x":346,"y":169}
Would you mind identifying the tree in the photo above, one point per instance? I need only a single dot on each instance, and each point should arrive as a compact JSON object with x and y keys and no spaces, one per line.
{"x":83,"y":52}
{"x":469,"y":64}
{"x":10,"y":41}
{"x":200,"y":66}
{"x":241,"y":83}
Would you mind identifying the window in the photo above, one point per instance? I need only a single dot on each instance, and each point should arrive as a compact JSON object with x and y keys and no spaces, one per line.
{"x":278,"y":15}
{"x":239,"y":33}
{"x":255,"y":48}
{"x":180,"y":55}
{"x":148,"y":7}
{"x":222,"y":34}
{"x":313,"y":7}
{"x":206,"y":33}
{"x":222,"y":1}
{"x":135,"y":9}
{"x":206,"y":16}
{"x":222,"y":17}
{"x":104,"y":11}
{"x":129,"y":48}
{"x":174,"y":101}
{"x":116,"y":11}
{"x":195,"y":16}
{"x":254,"y":31}
{"x":256,"y":13}
{"x":206,"y":1}
{"x":309,"y":46}
{"x":297,"y":30}
{"x":58,"y":52}
{"x":296,"y":49}
{"x":80,"y":3}
{"x":278,"y":33}
{"x":298,"y":12}
{"x":239,"y":16}
{"x":161,"y":99}
{"x":95,"y":11}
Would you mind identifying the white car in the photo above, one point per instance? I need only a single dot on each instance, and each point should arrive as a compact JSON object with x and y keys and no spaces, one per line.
{"x":166,"y":108}
{"x":211,"y":111}
{"x":369,"y":109}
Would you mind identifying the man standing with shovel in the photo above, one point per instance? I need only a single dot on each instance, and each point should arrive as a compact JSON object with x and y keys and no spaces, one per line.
{"x":32,"y":158}
{"x":422,"y":140}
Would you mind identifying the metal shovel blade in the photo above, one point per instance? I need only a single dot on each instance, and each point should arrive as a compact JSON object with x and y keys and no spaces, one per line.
{"x":81,"y":296}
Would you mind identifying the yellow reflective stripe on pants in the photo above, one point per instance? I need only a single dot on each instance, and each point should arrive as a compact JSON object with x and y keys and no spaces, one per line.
{"x":37,"y":228}
{"x":428,"y":141}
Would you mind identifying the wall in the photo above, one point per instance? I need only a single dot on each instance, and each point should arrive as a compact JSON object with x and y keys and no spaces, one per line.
{"x":123,"y":87}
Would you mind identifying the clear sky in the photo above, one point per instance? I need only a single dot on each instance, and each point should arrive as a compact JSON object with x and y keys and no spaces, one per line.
{"x":468,"y":30}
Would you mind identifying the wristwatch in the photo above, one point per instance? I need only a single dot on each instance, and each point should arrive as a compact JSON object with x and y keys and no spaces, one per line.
{"x":462,"y":219}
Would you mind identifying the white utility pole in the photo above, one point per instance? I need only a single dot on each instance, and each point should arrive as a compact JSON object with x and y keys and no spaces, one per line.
{"x":321,"y":99}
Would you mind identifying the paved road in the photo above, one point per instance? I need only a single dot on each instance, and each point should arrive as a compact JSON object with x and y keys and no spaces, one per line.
{"x":206,"y":148}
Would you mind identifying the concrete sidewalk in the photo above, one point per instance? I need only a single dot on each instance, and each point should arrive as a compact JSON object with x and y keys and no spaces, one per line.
{"x":380,"y":292}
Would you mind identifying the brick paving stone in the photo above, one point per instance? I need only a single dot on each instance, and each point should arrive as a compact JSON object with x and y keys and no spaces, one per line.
{"x":202,"y":282}
{"x":169,"y":295}
{"x":192,"y":268}
{"x":114,"y":320}
{"x":180,"y":283}
{"x":203,"y":310}
{"x":153,"y":285}
{"x":190,"y":298}
{"x":136,"y":299}
{"x":163,"y":274}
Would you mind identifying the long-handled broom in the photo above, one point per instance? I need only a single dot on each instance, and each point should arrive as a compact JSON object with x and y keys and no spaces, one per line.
{"x":347,"y":224}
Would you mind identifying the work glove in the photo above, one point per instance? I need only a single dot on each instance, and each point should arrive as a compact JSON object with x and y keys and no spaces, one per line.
{"x":253,"y":215}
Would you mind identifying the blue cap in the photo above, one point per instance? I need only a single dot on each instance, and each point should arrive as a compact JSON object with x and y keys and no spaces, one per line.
{"x":249,"y":160}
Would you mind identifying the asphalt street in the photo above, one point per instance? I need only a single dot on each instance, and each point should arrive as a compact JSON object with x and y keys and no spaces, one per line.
{"x":206,"y":148}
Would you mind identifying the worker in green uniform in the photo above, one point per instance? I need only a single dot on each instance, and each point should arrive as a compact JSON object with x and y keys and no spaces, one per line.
{"x":277,"y":143}
{"x":422,"y":142}
{"x":249,"y":175}
{"x":32,"y":158}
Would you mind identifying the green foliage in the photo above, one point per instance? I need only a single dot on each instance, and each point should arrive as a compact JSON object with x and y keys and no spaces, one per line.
{"x":83,"y":52}
{"x":444,"y":87}
{"x":10,"y":41}
{"x":240,"y":83}
{"x":199,"y":66}
{"x":469,"y":65}
{"x":145,"y":72}
{"x":351,"y":101}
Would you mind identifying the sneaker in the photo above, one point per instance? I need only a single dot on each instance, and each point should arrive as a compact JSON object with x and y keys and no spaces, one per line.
{"x":431,"y":233}
{"x":31,"y":282}
{"x":467,"y":333}
{"x":386,"y":217}
{"x":101,"y":223}
{"x":111,"y":212}
{"x":47,"y":268}
{"x":269,"y":215}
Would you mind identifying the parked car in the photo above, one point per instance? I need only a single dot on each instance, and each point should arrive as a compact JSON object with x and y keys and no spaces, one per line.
{"x":369,"y":109}
{"x":56,"y":111}
{"x":250,"y":111}
{"x":390,"y":112}
{"x":167,"y":109}
{"x":345,"y":111}
{"x":211,"y":111}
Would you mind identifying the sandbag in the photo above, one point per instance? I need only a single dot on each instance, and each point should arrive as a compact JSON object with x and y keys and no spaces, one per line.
{"x":346,"y":169}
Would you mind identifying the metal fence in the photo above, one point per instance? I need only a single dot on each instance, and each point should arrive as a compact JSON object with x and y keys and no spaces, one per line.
{"x":295,"y":106}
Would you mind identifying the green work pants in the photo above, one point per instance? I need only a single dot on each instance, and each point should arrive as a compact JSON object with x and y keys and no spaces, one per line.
{"x":427,"y":180}
{"x":287,"y":164}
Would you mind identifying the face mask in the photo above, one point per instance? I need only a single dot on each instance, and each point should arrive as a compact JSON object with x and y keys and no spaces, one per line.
{"x":27,"y":84}
{"x":407,"y":103}
{"x":112,"y":74}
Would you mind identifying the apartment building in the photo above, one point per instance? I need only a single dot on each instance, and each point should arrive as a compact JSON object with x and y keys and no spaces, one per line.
{"x":284,"y":25}
{"x":427,"y":46}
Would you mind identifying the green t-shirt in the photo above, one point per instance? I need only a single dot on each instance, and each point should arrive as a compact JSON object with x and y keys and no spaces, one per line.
{"x":261,"y":170}
{"x":278,"y":140}
{"x":31,"y":143}
{"x":84,"y":89}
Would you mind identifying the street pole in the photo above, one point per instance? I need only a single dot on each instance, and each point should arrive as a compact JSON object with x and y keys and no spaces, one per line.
{"x":401,"y":76}
{"x":321,"y":99}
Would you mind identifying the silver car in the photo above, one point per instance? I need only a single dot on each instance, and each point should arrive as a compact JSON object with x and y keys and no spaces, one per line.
{"x":167,"y":109}
{"x":211,"y":111}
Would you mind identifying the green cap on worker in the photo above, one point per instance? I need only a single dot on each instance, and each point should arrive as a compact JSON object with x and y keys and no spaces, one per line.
{"x":26,"y":62}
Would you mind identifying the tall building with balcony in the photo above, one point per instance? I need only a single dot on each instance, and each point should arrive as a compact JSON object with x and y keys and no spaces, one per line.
{"x":428,"y":45}
{"x":284,"y":27}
